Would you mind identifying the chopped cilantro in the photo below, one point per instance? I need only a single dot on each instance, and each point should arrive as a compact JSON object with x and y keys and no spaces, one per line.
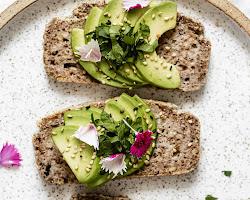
{"x":209,"y":197}
{"x":227,"y":173}
{"x":119,"y":45}
{"x":116,"y":137}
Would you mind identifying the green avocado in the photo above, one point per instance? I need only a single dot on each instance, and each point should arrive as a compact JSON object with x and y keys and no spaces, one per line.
{"x":118,"y":113}
{"x":127,"y":72}
{"x":79,"y":117}
{"x":116,"y":110}
{"x":113,"y":12}
{"x":78,"y":158}
{"x":91,"y":109}
{"x":148,"y":117}
{"x":131,"y":106}
{"x":134,"y":14}
{"x":91,"y":24}
{"x":152,"y":68}
{"x":109,"y":72}
{"x":77,"y":40}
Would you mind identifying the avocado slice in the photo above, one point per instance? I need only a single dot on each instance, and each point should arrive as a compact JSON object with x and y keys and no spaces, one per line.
{"x":92,"y":109}
{"x":116,"y":110}
{"x":153,"y":69}
{"x":109,"y":72}
{"x":79,"y":117}
{"x":91,"y":24}
{"x":127,"y":72}
{"x":77,"y":40}
{"x":112,"y":12}
{"x":131,"y":106}
{"x":113,"y":108}
{"x":151,"y":126}
{"x":77,"y":158}
{"x":134,"y":15}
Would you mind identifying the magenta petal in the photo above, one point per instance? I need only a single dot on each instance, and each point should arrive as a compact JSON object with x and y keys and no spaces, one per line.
{"x":141,"y":144}
{"x":9,"y":155}
{"x":131,"y":4}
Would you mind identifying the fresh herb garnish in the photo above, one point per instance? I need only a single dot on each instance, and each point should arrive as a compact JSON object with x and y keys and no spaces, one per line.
{"x":227,"y":173}
{"x":119,"y":45}
{"x":116,"y":137}
{"x":209,"y":197}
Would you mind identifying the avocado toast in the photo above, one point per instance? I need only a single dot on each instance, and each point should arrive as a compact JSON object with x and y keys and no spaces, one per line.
{"x":176,"y":147}
{"x":184,"y":46}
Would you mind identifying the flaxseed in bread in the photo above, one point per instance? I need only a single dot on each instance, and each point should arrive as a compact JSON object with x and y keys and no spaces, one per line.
{"x":184,"y":46}
{"x":177,"y":148}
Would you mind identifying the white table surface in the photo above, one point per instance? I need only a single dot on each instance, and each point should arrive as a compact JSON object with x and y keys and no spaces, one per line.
{"x":27,"y":95}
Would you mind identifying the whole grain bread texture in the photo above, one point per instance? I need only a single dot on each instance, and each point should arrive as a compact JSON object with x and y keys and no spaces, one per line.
{"x":184,"y":46}
{"x":97,"y":197}
{"x":177,"y":148}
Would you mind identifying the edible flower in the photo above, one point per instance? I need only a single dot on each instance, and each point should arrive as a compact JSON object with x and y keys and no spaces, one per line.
{"x":141,"y":144}
{"x":131,"y":4}
{"x":90,"y":52}
{"x":9,"y":155}
{"x":115,"y":163}
{"x":88,"y":135}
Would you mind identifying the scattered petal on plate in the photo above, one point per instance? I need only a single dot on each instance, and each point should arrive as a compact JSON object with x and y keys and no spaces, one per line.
{"x":141,"y":144}
{"x":9,"y":155}
{"x":88,"y":135}
{"x":115,"y":164}
{"x":90,"y":52}
{"x":130,"y":4}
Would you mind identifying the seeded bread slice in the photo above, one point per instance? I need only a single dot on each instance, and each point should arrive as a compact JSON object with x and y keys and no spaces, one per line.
{"x":188,"y":49}
{"x":96,"y":197}
{"x":177,"y":148}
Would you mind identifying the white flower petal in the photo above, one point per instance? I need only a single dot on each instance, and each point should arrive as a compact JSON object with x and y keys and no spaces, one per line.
{"x":130,"y":4}
{"x":90,"y":52}
{"x":88,"y":135}
{"x":115,"y":164}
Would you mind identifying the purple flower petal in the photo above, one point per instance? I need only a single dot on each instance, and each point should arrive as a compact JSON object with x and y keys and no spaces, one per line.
{"x":88,"y":135}
{"x":131,"y":4}
{"x":90,"y":52}
{"x":115,"y":163}
{"x":141,"y":144}
{"x":9,"y":155}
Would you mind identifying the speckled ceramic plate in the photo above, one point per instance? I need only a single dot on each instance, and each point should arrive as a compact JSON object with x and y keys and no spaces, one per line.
{"x":27,"y":95}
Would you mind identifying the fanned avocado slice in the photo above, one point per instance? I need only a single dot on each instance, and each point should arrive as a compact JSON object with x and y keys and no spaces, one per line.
{"x":113,"y":108}
{"x":79,"y":117}
{"x":78,"y":158}
{"x":130,"y":73}
{"x":90,"y":109}
{"x":109,"y":72}
{"x":77,"y":40}
{"x":113,"y":12}
{"x":91,"y":24}
{"x":153,"y":69}
{"x":117,"y":111}
{"x":131,"y":106}
{"x":151,"y":125}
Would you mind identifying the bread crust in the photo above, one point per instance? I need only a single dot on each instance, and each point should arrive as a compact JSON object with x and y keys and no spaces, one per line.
{"x":177,"y":149}
{"x":97,"y":197}
{"x":189,"y":49}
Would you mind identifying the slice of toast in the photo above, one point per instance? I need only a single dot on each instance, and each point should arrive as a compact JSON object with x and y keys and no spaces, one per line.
{"x":186,"y":44}
{"x":96,"y":197}
{"x":177,"y":148}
